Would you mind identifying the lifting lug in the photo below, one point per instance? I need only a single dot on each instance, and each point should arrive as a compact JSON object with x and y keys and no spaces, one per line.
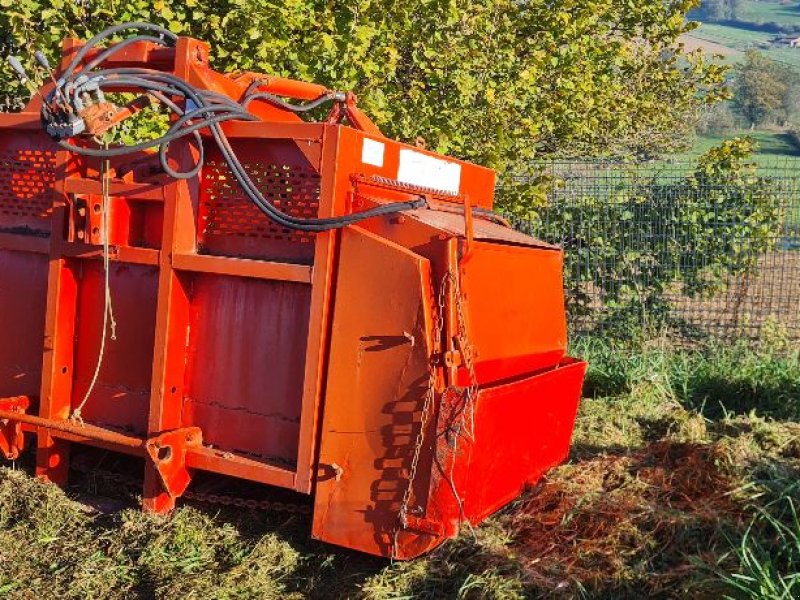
{"x":12,"y":439}
{"x":168,"y":453}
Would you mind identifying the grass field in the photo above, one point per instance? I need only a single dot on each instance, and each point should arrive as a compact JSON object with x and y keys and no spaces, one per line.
{"x":682,"y":481}
{"x":767,"y":11}
{"x":730,"y":40}
{"x":775,"y":151}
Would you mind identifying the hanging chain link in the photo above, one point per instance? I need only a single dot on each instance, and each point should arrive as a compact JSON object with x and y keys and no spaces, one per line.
{"x":430,"y":395}
{"x":450,"y":280}
{"x":135,"y":483}
{"x":468,"y":356}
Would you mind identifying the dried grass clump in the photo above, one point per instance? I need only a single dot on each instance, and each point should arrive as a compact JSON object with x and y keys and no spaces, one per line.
{"x":655,"y":515}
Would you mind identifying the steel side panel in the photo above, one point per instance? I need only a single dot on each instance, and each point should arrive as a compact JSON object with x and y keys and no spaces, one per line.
{"x":23,"y":299}
{"x":121,"y":396}
{"x":27,"y":176}
{"x":377,"y":380}
{"x":522,"y":429}
{"x":246,"y":359}
{"x":476,"y":182}
{"x":514,"y":309}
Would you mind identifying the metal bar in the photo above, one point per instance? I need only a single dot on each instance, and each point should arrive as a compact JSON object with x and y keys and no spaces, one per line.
{"x":173,"y":305}
{"x":22,"y":120}
{"x":297,"y":132}
{"x":217,"y":461}
{"x":123,"y":254}
{"x":52,"y":455}
{"x":90,"y":432}
{"x":242,"y":267}
{"x":82,"y":439}
{"x":319,"y":313}
{"x":137,"y":54}
{"x":135,"y":192}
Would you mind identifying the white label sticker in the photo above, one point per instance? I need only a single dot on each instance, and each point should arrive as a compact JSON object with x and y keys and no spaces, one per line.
{"x":372,"y":152}
{"x":420,"y":169}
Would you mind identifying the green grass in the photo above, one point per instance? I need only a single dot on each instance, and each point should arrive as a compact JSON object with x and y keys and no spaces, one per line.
{"x":738,"y":38}
{"x":775,"y":150}
{"x":733,"y":37}
{"x":768,"y":11}
{"x":684,"y":467}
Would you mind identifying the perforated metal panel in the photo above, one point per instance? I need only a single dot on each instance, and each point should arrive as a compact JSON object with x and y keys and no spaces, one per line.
{"x":231,"y":225}
{"x":26,"y":184}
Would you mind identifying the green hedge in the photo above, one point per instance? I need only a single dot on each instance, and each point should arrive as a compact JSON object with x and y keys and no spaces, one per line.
{"x":629,"y":242}
{"x":494,"y":81}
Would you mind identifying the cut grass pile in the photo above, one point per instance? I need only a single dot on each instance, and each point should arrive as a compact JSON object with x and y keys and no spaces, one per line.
{"x":682,"y":483}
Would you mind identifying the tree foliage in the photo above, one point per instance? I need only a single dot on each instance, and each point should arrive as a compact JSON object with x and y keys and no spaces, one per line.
{"x":766,"y":91}
{"x":718,"y":10}
{"x":495,"y":81}
{"x":633,"y":240}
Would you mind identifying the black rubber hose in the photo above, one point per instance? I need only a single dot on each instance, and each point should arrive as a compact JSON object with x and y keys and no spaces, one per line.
{"x":81,"y":54}
{"x":239,"y":172}
{"x":297,"y":108}
{"x":210,"y":110}
{"x":111,"y":50}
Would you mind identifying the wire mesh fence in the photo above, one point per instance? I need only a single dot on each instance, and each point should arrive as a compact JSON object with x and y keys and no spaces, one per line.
{"x":671,"y":247}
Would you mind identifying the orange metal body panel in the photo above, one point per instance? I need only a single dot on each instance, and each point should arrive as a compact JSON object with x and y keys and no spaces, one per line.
{"x":377,"y":381}
{"x":509,"y":337}
{"x":300,"y":360}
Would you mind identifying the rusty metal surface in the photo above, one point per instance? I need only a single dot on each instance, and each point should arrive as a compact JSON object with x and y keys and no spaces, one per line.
{"x":485,"y":230}
{"x":254,"y":334}
{"x":168,"y":453}
{"x":122,"y":393}
{"x":12,"y":438}
{"x":81,"y":430}
{"x":23,"y":290}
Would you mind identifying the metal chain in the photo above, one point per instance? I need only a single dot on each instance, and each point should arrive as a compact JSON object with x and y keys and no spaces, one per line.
{"x":467,"y":354}
{"x":250,"y":503}
{"x":129,"y":481}
{"x":430,"y":395}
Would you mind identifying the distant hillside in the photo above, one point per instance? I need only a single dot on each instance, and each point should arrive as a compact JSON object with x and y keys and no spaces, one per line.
{"x":730,"y":27}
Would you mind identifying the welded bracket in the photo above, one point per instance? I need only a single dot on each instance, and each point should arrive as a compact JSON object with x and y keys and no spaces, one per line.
{"x":12,"y":439}
{"x":168,"y":453}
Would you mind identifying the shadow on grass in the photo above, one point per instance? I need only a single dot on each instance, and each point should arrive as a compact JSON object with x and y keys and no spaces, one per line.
{"x":621,"y":524}
{"x":715,"y":380}
{"x":771,"y":393}
{"x":630,"y":525}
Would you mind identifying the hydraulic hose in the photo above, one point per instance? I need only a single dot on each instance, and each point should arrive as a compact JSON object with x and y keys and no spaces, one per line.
{"x":200,"y":110}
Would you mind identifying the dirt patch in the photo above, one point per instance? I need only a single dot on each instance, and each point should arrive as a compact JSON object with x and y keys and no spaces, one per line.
{"x":769,"y":295}
{"x":691,"y":43}
{"x":655,"y":515}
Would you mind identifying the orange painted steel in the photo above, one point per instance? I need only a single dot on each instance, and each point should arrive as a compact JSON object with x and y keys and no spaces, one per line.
{"x":409,"y":372}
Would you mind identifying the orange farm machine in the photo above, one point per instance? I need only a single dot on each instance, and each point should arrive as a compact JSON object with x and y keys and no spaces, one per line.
{"x":299,"y":303}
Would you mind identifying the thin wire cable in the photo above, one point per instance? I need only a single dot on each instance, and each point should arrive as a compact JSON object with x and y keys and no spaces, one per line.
{"x":108,"y":307}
